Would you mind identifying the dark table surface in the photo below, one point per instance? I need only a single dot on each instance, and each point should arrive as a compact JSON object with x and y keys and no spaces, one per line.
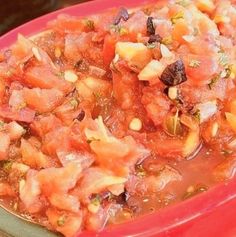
{"x":16,"y":12}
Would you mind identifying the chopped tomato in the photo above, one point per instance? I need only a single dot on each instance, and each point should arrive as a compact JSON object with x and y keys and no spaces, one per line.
{"x":32,"y":157}
{"x":23,"y":115}
{"x":4,"y":145}
{"x":30,"y":191}
{"x":15,"y":130}
{"x":35,"y":77}
{"x":109,"y":116}
{"x":69,"y":224}
{"x":156,"y":104}
{"x":42,"y":100}
{"x":6,"y":190}
{"x":50,"y":179}
{"x":200,"y":69}
{"x":44,"y":124}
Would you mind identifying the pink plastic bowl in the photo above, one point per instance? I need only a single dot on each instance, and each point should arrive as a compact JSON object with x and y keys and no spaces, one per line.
{"x":211,"y":214}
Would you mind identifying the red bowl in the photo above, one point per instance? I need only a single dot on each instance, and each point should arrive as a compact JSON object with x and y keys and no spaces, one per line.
{"x":211,"y":214}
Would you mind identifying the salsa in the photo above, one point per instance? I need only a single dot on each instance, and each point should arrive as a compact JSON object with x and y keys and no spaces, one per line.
{"x":117,"y":115}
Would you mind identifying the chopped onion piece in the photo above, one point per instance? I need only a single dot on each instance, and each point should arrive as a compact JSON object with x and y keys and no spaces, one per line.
{"x":151,"y":71}
{"x":36,"y":54}
{"x":165,"y":52}
{"x":214,"y":129}
{"x":188,"y":38}
{"x":135,"y":124}
{"x":207,"y":110}
{"x":70,"y":76}
{"x":96,"y":71}
{"x":173,"y":93}
{"x":191,"y":143}
{"x":57,"y":52}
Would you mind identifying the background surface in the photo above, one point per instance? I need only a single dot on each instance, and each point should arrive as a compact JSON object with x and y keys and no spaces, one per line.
{"x":17,"y":12}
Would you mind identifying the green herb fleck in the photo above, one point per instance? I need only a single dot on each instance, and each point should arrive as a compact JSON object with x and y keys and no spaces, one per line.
{"x":194,"y":63}
{"x":197,"y":115}
{"x":96,"y":201}
{"x":61,"y":220}
{"x":6,"y":165}
{"x":21,"y":106}
{"x":10,"y":72}
{"x":74,"y":103}
{"x":119,"y":29}
{"x":226,"y":152}
{"x":167,"y":40}
{"x":140,"y":171}
{"x":151,"y":45}
{"x":223,"y":59}
{"x":227,"y":72}
{"x":89,"y":23}
{"x":123,"y":31}
{"x":97,"y":95}
{"x":176,"y":17}
{"x":60,"y":74}
{"x":92,"y":139}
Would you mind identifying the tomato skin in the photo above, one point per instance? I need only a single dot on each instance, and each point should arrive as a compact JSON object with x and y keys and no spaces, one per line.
{"x":109,"y":49}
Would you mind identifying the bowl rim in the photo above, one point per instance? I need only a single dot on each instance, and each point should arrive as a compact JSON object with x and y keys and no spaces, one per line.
{"x":172,"y":216}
